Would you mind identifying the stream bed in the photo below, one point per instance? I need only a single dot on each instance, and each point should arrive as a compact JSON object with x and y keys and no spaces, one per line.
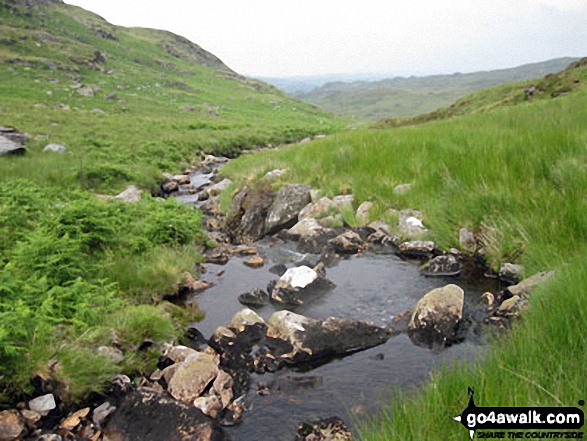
{"x":373,"y":287}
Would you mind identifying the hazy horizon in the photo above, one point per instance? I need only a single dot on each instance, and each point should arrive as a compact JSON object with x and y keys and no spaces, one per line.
{"x":262,"y":38}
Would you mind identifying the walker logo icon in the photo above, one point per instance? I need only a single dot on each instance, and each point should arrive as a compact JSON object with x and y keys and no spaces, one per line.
{"x":521,"y":418}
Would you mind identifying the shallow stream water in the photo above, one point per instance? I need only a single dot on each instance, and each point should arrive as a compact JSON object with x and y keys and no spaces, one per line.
{"x":374,"y":287}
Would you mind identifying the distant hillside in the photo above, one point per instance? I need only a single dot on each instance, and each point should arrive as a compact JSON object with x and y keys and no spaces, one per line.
{"x":307,"y":83}
{"x":553,"y":85}
{"x":400,"y":97}
{"x":133,"y":96}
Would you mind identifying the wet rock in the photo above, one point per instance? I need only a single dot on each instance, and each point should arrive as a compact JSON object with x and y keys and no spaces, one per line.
{"x":402,"y":189}
{"x":348,"y":243}
{"x":436,"y":317}
{"x":306,"y":227}
{"x":312,"y":339}
{"x":233,"y":414}
{"x":244,"y":250}
{"x":363,"y":213}
{"x":129,"y":195}
{"x":50,"y":437}
{"x":43,"y":404}
{"x":417,"y":249}
{"x":57,"y":148}
{"x":296,"y":284}
{"x":316,"y":243}
{"x":223,"y":388}
{"x":511,"y":273}
{"x":245,"y":317}
{"x":446,"y":265}
{"x":149,"y":416}
{"x":11,"y":425}
{"x":400,"y":322}
{"x":217,"y":257}
{"x":245,"y":220}
{"x":523,"y":288}
{"x":209,"y":405}
{"x":193,"y":376}
{"x":329,"y":429}
{"x":188,"y":284}
{"x":72,"y":421}
{"x":102,"y":412}
{"x":467,"y":240}
{"x":218,"y":188}
{"x":170,"y":187}
{"x":255,"y":298}
{"x":488,"y":299}
{"x":286,"y":206}
{"x":255,"y":262}
{"x":178,"y":354}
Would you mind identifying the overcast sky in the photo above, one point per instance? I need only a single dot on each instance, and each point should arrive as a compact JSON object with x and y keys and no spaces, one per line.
{"x":402,"y":37}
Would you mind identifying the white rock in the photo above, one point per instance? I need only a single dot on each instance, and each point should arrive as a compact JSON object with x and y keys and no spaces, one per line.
{"x":57,"y":148}
{"x":299,"y":277}
{"x":218,"y":188}
{"x":306,"y":227}
{"x":245,"y":317}
{"x":43,"y":404}
{"x":273,"y":174}
{"x":414,"y":222}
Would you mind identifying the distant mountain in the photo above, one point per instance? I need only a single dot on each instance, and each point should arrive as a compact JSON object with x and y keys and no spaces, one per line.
{"x":299,"y":84}
{"x":401,"y":97}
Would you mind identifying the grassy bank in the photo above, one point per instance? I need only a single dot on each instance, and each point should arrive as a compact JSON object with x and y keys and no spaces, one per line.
{"x":77,"y":272}
{"x":517,"y":178}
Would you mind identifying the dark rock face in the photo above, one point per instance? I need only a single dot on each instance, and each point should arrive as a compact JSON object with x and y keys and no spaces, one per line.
{"x":284,"y":210}
{"x":150,"y":416}
{"x":348,"y":243}
{"x":245,"y":220}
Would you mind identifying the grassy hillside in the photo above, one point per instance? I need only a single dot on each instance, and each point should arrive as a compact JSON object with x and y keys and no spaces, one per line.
{"x":517,"y":177}
{"x":403,"y":97}
{"x":77,"y":272}
{"x":554,"y":85}
{"x":155,"y":99}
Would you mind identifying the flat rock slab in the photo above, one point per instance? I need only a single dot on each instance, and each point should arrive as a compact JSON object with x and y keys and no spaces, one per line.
{"x":154,"y":417}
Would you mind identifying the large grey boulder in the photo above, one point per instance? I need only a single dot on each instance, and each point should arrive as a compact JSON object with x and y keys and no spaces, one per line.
{"x":245,"y":220}
{"x":312,"y":339}
{"x":297,"y":284}
{"x":192,"y":376}
{"x":9,"y":147}
{"x":306,"y":227}
{"x":436,"y":316}
{"x":284,"y":210}
{"x":129,"y":195}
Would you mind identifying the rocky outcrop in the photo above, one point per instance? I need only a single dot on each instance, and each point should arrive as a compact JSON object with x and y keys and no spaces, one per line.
{"x":245,"y":220}
{"x":436,"y":316}
{"x":284,"y":210}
